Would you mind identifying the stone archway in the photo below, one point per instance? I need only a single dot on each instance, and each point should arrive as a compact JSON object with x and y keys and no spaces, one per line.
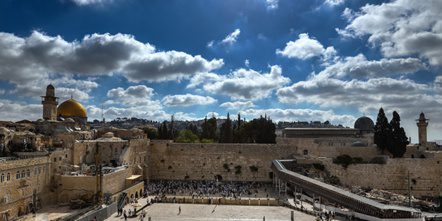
{"x":218,"y":177}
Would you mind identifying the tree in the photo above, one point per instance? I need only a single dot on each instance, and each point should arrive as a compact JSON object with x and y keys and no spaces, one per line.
{"x":152,"y":133}
{"x":382,"y":131}
{"x":192,"y":127}
{"x":163,"y":131}
{"x":398,"y":140}
{"x":226,"y":133}
{"x":205,"y":129}
{"x":187,"y":136}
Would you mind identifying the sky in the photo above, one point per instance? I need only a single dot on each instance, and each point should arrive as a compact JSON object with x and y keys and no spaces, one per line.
{"x":293,"y":60}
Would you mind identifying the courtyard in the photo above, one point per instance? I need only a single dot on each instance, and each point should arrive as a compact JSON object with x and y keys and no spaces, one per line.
{"x":199,"y":212}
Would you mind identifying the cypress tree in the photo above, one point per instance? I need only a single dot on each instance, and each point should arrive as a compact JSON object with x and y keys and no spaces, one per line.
{"x":399,"y":140}
{"x":382,"y":131}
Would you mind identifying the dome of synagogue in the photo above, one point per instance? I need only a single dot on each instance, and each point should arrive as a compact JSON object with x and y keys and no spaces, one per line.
{"x":71,"y":108}
{"x":50,"y":87}
{"x":364,"y":124}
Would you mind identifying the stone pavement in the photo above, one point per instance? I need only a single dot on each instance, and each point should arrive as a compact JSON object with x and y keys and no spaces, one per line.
{"x":201,"y":212}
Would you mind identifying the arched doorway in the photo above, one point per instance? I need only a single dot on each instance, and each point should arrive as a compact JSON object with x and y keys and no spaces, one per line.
{"x":218,"y":177}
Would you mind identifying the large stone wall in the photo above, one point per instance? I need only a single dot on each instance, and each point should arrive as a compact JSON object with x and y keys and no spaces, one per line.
{"x":425,"y":175}
{"x":178,"y":161}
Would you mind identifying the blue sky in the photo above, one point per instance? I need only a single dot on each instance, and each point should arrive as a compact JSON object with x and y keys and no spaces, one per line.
{"x":304,"y":60}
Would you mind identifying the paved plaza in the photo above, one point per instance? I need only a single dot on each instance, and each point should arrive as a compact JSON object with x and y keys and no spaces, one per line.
{"x":199,"y":212}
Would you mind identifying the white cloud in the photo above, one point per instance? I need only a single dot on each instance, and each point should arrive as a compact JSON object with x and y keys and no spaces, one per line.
{"x":91,"y":2}
{"x":15,"y":111}
{"x":304,"y":48}
{"x":187,"y":100}
{"x":133,"y":95}
{"x":333,"y":3}
{"x":401,"y":28}
{"x":359,"y":67}
{"x":272,"y":4}
{"x":232,"y":37}
{"x":32,"y":58}
{"x":242,"y":83}
{"x":237,"y":105}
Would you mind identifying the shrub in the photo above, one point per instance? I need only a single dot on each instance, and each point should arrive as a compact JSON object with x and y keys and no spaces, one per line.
{"x":238,"y":169}
{"x":319,"y":166}
{"x":253,"y":169}
{"x":343,"y":160}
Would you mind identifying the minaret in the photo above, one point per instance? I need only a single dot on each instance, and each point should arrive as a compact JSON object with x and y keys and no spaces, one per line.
{"x":422,"y":124}
{"x":50,"y":103}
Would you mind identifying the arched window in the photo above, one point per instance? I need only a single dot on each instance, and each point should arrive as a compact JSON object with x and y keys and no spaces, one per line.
{"x":8,"y":177}
{"x":17,"y":175}
{"x":28,"y":172}
{"x":2,"y":178}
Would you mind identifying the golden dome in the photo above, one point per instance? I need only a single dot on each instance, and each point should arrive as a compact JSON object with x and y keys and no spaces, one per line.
{"x":71,"y":108}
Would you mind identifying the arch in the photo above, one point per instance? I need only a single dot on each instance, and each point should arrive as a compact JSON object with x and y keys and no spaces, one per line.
{"x":218,"y":177}
{"x":136,"y":195}
{"x":141,"y":192}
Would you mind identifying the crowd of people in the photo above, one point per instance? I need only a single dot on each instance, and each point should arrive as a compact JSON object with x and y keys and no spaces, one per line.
{"x":208,"y":189}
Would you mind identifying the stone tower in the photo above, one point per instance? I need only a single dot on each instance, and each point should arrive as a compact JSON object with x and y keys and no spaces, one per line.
{"x":422,"y":124}
{"x":50,"y":103}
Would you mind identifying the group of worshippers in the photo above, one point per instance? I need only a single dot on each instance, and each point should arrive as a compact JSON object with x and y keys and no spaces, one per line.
{"x":205,"y":188}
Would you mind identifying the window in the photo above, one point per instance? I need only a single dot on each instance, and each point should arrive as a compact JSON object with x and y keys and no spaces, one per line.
{"x":55,"y":159}
{"x":2,"y":178}
{"x":305,"y":152}
{"x":28,"y":172}
{"x":23,"y":174}
{"x":8,"y":177}
{"x":17,"y":176}
{"x":35,"y":170}
{"x":59,"y":158}
{"x":39,"y":170}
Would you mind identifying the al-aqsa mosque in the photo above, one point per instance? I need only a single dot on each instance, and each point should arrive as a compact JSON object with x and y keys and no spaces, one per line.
{"x":68,"y":111}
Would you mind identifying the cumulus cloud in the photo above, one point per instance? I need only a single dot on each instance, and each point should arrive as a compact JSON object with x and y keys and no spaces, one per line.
{"x":305,"y":47}
{"x":401,"y":28}
{"x":359,"y":67}
{"x":138,"y":94}
{"x":242,"y":83}
{"x":272,"y":4}
{"x":232,"y":37}
{"x":15,"y":111}
{"x":406,"y":96}
{"x":28,"y":59}
{"x":332,"y":3}
{"x":228,"y":41}
{"x":237,"y":105}
{"x":187,"y":100}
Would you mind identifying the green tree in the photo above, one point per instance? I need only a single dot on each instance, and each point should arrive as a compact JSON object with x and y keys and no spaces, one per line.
{"x":382,"y":131}
{"x":152,"y":133}
{"x":226,"y":133}
{"x":398,"y":140}
{"x":187,"y":136}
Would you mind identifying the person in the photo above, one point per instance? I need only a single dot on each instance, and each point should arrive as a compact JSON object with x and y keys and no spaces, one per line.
{"x":179,"y":210}
{"x":125,"y":215}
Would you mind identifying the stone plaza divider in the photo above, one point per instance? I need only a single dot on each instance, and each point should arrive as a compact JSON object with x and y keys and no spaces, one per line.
{"x":221,"y":201}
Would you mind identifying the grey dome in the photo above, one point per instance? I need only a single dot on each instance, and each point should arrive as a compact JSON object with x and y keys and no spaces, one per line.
{"x":364,"y":124}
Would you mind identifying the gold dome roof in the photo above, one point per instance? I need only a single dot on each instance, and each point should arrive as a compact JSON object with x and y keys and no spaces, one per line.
{"x":71,"y":108}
